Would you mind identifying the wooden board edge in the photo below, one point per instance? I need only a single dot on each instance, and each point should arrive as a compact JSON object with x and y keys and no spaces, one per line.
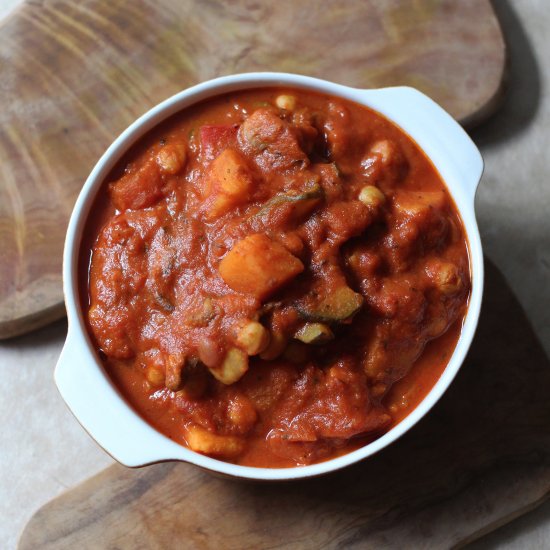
{"x":492,"y":104}
{"x":23,"y":543}
{"x":491,"y":107}
{"x":502,"y":521}
{"x":29,"y":323}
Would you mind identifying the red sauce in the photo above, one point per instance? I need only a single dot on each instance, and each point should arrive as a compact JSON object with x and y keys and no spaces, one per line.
{"x":275,"y":277}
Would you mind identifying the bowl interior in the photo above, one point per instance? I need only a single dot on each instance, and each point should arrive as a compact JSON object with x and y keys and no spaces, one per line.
{"x":444,"y":142}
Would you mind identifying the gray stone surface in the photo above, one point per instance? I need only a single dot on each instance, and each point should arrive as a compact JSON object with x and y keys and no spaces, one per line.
{"x":43,"y":450}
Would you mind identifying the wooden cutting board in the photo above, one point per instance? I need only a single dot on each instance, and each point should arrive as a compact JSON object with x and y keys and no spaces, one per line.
{"x":479,"y":459}
{"x":75,"y":74}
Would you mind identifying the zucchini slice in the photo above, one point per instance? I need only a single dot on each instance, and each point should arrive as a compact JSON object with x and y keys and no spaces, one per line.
{"x":302,"y":201}
{"x":341,"y":305}
{"x":314,"y":333}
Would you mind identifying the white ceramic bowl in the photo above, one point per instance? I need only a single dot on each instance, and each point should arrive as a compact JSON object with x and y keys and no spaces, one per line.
{"x":79,"y":375}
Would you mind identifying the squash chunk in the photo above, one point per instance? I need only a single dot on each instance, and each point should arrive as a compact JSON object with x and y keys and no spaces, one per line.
{"x":259,"y":266}
{"x":228,"y":184}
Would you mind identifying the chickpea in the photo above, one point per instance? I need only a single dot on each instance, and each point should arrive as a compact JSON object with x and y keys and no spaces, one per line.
{"x":384,"y":149}
{"x":378,"y":389}
{"x":446,"y":277}
{"x":371,"y":196}
{"x":234,"y":366}
{"x":286,"y":102}
{"x":172,"y":157}
{"x":253,"y":337}
{"x":155,"y":376}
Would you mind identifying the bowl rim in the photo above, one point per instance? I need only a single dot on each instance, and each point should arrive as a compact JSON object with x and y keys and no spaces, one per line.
{"x":443,"y":140}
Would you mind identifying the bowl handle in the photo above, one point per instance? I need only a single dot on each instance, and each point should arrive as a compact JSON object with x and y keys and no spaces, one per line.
{"x":435,"y":130}
{"x":103,"y":413}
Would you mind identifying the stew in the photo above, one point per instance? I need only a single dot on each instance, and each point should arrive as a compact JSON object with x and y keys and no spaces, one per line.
{"x":275,"y":277}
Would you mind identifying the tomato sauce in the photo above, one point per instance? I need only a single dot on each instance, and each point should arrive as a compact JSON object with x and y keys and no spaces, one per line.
{"x":275,"y":277}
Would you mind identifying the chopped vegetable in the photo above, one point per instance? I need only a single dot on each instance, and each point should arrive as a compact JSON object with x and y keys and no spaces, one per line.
{"x":258,"y":266}
{"x":138,"y":188}
{"x":228,"y":184}
{"x":340,"y":305}
{"x":301,"y":202}
{"x":314,"y":333}
{"x":385,"y":149}
{"x":215,"y":138}
{"x":272,"y":140}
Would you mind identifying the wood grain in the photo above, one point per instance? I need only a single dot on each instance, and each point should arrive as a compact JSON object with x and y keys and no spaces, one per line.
{"x":75,"y":74}
{"x":479,"y":459}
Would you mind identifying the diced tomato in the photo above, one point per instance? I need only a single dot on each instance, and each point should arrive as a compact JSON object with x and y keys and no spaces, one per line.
{"x":214,"y":139}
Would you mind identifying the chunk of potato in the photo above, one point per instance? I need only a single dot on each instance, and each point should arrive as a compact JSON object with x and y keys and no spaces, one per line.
{"x":208,"y":443}
{"x":233,"y":367}
{"x":259,"y":266}
{"x":384,"y":161}
{"x":228,"y":183}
